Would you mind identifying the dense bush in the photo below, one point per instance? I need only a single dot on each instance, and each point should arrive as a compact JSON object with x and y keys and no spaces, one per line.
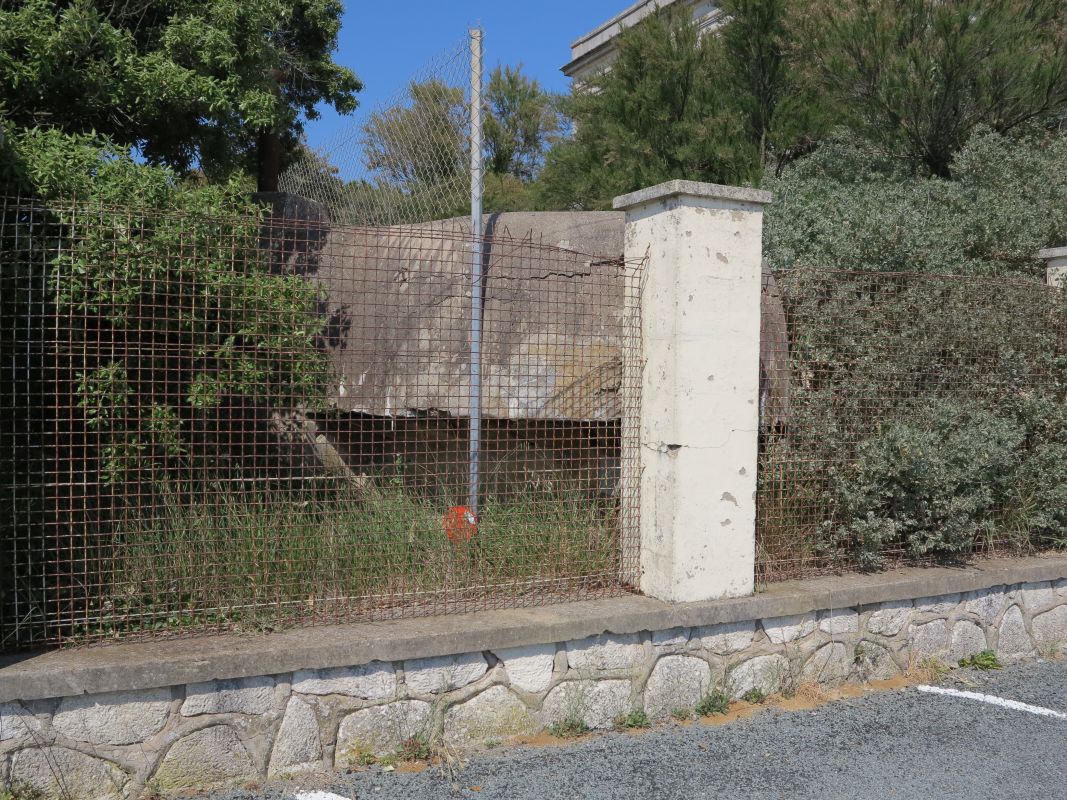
{"x":931,"y":483}
{"x":927,"y":416}
{"x":954,"y":476}
{"x":850,"y":205}
{"x":927,"y":413}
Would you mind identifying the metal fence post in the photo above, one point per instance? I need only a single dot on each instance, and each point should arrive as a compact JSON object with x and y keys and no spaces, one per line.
{"x":695,"y":445}
{"x":476,"y":271}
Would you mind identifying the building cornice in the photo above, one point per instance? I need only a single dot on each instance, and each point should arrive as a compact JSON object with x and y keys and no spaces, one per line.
{"x":598,"y":44}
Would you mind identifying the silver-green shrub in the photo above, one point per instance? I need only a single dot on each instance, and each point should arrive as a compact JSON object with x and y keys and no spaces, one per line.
{"x":851,"y":205}
{"x":928,"y":382}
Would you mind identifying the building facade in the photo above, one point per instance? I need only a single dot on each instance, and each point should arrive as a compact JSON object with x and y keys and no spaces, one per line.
{"x":595,"y":50}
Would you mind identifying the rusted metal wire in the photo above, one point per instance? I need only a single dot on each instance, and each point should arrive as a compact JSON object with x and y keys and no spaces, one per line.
{"x":909,"y":417}
{"x":219,"y":423}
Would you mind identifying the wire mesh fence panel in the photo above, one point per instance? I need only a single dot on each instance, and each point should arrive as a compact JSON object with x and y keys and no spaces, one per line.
{"x":210,"y":423}
{"x":909,"y":417}
{"x":407,"y":161}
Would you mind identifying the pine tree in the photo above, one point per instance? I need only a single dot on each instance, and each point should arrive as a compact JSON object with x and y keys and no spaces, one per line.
{"x":920,"y":76}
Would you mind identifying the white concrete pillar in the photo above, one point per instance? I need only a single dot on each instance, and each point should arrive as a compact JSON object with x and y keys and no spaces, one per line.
{"x":694,"y":446}
{"x":1056,"y":270}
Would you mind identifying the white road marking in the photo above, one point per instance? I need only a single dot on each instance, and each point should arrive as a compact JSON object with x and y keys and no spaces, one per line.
{"x":994,"y":701}
{"x":318,"y":796}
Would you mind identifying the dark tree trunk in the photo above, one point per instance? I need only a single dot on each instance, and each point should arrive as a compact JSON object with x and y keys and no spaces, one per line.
{"x":269,"y":155}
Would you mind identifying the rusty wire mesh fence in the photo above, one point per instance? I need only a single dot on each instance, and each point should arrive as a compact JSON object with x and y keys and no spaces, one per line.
{"x":909,"y":417}
{"x":218,"y":423}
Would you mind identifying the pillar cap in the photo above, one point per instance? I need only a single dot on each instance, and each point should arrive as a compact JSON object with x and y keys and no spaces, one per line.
{"x":1047,"y":255}
{"x":710,"y":191}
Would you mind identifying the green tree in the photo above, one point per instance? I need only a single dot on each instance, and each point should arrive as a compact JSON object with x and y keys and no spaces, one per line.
{"x":221,"y":86}
{"x":171,"y":305}
{"x":785,"y":113}
{"x":421,"y":142}
{"x":522,"y":121}
{"x":418,"y":151}
{"x":418,"y":157}
{"x":312,"y":175}
{"x":920,"y":76}
{"x":660,"y":112}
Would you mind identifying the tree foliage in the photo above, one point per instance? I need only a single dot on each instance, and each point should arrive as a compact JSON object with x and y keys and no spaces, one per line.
{"x":190,"y":84}
{"x":658,"y":113}
{"x":921,"y":76}
{"x":421,"y":142}
{"x":417,"y":157}
{"x":522,"y":121}
{"x":418,"y":151}
{"x":916,"y":77}
{"x":172,"y":310}
{"x":785,"y":112}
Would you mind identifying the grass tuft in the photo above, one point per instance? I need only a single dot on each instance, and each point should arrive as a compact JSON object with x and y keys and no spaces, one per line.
{"x":928,"y":670}
{"x":362,"y":758}
{"x":984,"y":660}
{"x":713,"y":703}
{"x":570,"y":728}
{"x":755,"y":696}
{"x":635,"y":719}
{"x":21,"y":791}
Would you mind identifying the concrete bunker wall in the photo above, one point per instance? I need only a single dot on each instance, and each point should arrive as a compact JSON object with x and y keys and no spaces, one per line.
{"x":553,"y":358}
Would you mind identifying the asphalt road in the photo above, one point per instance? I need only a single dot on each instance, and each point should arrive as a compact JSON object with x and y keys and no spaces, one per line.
{"x":897,"y":744}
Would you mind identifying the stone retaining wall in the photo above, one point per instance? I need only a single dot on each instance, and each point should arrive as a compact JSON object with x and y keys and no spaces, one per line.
{"x":122,"y":744}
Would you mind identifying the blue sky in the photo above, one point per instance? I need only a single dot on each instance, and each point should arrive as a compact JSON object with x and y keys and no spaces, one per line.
{"x":385,"y":43}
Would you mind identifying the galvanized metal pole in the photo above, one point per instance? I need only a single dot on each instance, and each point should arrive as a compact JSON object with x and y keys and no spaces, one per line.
{"x":477,"y":276}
